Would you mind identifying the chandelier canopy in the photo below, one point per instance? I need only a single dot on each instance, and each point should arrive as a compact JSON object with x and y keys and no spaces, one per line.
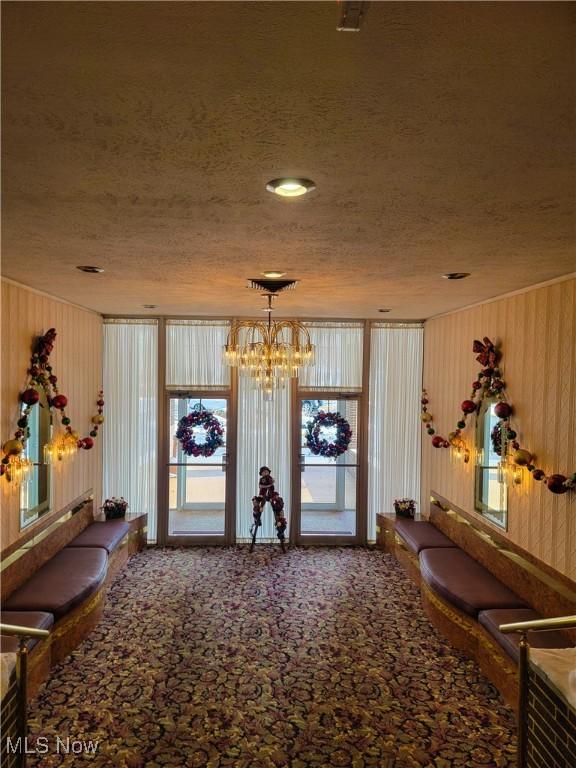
{"x":270,"y":353}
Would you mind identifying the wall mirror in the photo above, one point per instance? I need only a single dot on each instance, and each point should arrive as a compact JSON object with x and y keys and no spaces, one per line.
{"x":35,"y":492}
{"x":491,"y":494}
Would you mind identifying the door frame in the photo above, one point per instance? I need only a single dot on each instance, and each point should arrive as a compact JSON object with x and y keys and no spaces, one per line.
{"x":303,"y":539}
{"x":229,"y":536}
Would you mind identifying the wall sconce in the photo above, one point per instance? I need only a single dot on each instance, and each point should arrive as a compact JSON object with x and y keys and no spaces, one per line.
{"x":502,"y":472}
{"x":460,"y":451}
{"x":18,"y":470}
{"x":61,"y":446}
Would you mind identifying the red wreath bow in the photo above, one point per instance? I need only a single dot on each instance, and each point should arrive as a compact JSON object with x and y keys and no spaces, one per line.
{"x":488,"y":354}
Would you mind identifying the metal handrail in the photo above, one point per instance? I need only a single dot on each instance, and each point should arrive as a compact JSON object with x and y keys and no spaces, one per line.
{"x":540,"y":625}
{"x":24,"y":632}
{"x":537,"y":625}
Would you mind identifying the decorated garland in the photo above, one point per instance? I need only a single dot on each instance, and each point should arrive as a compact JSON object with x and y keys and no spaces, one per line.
{"x":489,"y":383}
{"x":318,"y":445}
{"x":41,"y":375}
{"x":214,"y":433}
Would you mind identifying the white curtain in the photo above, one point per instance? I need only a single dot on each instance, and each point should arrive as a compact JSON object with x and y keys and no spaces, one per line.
{"x":129,"y":436}
{"x":263,"y":440}
{"x":194,"y":353}
{"x":394,"y":418}
{"x":337,"y":358}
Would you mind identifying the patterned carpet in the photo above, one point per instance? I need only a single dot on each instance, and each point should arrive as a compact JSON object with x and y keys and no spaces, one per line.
{"x":317,"y":658}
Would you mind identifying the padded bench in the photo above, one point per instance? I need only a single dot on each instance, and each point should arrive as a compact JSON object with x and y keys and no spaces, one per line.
{"x":492,"y":619}
{"x":466,"y":602}
{"x":64,"y":582}
{"x":107,"y":535}
{"x":419,"y":535}
{"x":64,"y":589}
{"x":463,"y":582}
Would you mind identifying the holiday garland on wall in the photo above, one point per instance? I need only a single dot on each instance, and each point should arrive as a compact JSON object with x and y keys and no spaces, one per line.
{"x":489,"y":383}
{"x":14,"y":466}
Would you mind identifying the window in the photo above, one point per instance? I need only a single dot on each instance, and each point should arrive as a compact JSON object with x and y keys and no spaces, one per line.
{"x":337,"y":357}
{"x":194,"y":354}
{"x":131,"y":384}
{"x":35,"y":492}
{"x":491,"y":473}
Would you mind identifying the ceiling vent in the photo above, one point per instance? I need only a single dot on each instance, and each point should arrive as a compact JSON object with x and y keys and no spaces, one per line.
{"x":351,"y":14}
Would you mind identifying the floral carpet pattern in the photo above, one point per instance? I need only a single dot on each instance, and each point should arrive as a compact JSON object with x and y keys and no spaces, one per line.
{"x":318,"y":658}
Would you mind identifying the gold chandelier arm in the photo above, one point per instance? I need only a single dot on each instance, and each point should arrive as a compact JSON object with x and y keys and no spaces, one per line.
{"x":291,"y":325}
{"x":251,"y":325}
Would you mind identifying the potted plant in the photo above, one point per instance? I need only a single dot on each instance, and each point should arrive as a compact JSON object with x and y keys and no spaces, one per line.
{"x":114,"y":508}
{"x":405,"y":507}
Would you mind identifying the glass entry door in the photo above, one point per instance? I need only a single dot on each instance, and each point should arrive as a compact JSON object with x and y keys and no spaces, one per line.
{"x":197,"y":471}
{"x":328,"y":510}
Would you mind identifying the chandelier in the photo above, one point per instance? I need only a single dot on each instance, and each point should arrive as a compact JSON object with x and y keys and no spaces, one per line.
{"x":269,"y":353}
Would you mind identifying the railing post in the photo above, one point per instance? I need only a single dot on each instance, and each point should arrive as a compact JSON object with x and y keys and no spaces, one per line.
{"x":22,"y":675}
{"x":523,"y":671}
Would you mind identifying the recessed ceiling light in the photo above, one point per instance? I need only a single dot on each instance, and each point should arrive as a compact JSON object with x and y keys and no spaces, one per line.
{"x":384,"y":310}
{"x":456,"y":275}
{"x":290,"y":187}
{"x":149,"y":306}
{"x":274,"y":273}
{"x":92,"y":270}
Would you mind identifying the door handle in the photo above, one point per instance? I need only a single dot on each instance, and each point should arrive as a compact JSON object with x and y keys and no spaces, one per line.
{"x":224,"y":462}
{"x":302,"y":462}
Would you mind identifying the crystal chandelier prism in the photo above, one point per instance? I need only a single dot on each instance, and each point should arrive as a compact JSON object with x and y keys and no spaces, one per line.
{"x":270,"y":353}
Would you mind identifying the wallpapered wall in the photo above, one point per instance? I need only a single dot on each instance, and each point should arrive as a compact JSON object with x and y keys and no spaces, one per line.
{"x":77,"y":361}
{"x":536,"y":332}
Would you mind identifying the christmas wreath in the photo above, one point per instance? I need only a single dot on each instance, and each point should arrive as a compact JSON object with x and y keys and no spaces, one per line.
{"x":318,"y":445}
{"x":214,"y":437}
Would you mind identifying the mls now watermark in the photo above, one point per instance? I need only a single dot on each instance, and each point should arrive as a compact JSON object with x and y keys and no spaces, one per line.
{"x":43,"y":745}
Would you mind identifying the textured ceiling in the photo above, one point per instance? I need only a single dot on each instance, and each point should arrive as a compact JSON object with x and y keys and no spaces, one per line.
{"x":139,"y":137}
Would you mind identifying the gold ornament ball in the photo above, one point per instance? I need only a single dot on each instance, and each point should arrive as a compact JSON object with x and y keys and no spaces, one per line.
{"x":454,"y":438}
{"x":98,"y":419}
{"x":75,"y":435}
{"x":522,"y":457}
{"x":426,"y":417}
{"x":13,"y":447}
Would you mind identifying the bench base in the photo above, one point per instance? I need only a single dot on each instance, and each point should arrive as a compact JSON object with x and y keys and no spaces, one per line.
{"x":75,"y":627}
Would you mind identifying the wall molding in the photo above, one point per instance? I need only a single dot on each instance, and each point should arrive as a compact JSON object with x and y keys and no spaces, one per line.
{"x":510,"y":294}
{"x":47,"y":295}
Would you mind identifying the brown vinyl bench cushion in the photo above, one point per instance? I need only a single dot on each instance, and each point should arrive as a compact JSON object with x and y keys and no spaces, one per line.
{"x":462,"y":581}
{"x":419,"y":535}
{"x":492,"y":619}
{"x":107,"y":535}
{"x":35,"y":619}
{"x":69,"y":578}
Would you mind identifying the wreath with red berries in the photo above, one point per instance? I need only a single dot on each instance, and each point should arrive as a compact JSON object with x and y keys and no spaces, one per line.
{"x":214,"y":433}
{"x":318,"y":445}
